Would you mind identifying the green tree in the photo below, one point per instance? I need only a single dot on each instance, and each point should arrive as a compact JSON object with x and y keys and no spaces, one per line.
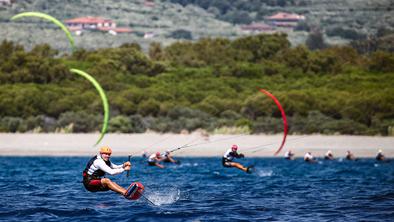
{"x":181,"y":34}
{"x":149,"y":107}
{"x":156,"y":51}
{"x":81,"y":121}
{"x":315,"y":40}
{"x":381,"y":62}
{"x":120,"y":124}
{"x":262,"y":46}
{"x":295,"y":58}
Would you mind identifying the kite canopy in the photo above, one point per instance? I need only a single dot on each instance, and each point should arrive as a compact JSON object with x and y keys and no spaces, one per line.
{"x":49,"y":18}
{"x":285,"y":126}
{"x":103,"y":99}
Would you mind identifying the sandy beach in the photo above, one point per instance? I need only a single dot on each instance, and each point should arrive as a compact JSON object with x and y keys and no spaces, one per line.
{"x":198,"y":144}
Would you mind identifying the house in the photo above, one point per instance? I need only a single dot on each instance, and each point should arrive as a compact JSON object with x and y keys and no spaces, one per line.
{"x":92,"y":23}
{"x":149,"y":3}
{"x":114,"y":31}
{"x":282,"y":19}
{"x":78,"y":25}
{"x":256,"y":28}
{"x":149,"y":35}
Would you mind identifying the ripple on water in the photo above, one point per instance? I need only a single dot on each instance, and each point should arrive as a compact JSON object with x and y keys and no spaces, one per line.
{"x":201,"y":189}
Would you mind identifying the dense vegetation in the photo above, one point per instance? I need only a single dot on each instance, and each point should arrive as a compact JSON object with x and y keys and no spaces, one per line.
{"x":209,"y":84}
{"x":339,"y":21}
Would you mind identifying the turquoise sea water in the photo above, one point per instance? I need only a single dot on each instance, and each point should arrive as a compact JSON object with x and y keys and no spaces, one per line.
{"x":200,"y":189}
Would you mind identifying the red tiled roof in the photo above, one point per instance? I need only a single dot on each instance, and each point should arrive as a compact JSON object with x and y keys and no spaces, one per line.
{"x":88,"y":20}
{"x":286,"y":16}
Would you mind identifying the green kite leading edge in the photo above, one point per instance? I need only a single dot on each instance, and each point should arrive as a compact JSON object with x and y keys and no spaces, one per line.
{"x":49,"y":18}
{"x":103,"y":98}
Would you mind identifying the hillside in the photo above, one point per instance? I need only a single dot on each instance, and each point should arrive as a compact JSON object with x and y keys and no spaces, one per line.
{"x":340,"y":21}
{"x":162,"y":19}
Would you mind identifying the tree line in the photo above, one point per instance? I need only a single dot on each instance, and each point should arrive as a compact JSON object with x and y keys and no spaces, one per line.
{"x":209,"y":84}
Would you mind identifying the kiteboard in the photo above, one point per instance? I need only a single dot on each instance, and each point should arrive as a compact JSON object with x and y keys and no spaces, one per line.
{"x":135,"y":191}
{"x":250,"y":169}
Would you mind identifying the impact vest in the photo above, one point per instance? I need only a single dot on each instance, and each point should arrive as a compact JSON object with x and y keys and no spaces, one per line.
{"x":98,"y":173}
{"x":230,"y":155}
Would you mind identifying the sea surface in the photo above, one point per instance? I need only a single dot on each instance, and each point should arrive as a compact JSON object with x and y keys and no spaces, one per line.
{"x":200,"y":189}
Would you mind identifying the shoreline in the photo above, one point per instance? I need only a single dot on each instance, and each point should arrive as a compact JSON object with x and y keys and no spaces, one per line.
{"x":56,"y":144}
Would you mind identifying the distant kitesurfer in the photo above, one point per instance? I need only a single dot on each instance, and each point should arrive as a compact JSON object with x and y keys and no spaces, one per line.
{"x":289,"y":155}
{"x":97,"y":167}
{"x":350,"y":156}
{"x":380,"y":156}
{"x":154,"y":160}
{"x":309,"y":158}
{"x":232,"y":153}
{"x":167,"y":157}
{"x":329,"y":155}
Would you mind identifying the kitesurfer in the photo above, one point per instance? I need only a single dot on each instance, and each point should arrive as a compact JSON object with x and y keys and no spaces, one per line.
{"x":329,"y":155}
{"x":309,"y":158}
{"x":350,"y":156}
{"x":154,"y":160}
{"x":289,"y":155}
{"x":232,"y":153}
{"x":380,"y":156}
{"x":97,"y":167}
{"x":167,"y":157}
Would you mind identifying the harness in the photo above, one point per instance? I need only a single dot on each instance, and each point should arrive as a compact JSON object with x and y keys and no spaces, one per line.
{"x":96,"y":174}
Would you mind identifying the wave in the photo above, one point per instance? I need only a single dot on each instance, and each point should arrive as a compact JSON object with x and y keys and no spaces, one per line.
{"x":164,"y":197}
{"x":40,"y":211}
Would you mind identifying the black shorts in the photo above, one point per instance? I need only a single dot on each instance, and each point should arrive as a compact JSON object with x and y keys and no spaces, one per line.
{"x":94,"y":185}
{"x":226,"y":163}
{"x":152,"y":163}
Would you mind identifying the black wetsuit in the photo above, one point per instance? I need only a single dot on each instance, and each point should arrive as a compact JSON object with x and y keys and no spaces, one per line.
{"x":380,"y":157}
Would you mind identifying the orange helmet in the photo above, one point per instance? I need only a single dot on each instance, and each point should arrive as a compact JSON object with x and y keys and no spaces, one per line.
{"x":106,"y":149}
{"x":158,"y":154}
{"x":234,"y":148}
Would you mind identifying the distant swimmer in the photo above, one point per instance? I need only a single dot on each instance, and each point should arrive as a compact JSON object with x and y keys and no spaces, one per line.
{"x":167,"y":157}
{"x":329,"y":155}
{"x":289,"y":155}
{"x":232,"y":153}
{"x":380,"y":156}
{"x":97,"y":167}
{"x":350,"y":156}
{"x":309,"y":158}
{"x":154,"y":160}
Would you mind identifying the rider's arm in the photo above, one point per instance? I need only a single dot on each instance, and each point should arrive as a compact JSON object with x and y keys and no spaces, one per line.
{"x":102,"y":166}
{"x":114,"y":166}
{"x":238,"y":155}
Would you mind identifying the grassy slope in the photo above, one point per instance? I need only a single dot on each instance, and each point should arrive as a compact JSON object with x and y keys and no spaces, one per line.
{"x":364,"y":15}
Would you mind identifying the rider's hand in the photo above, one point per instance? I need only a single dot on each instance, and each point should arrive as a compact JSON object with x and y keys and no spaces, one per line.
{"x":127,"y":168}
{"x":241,"y":155}
{"x":126,"y":164}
